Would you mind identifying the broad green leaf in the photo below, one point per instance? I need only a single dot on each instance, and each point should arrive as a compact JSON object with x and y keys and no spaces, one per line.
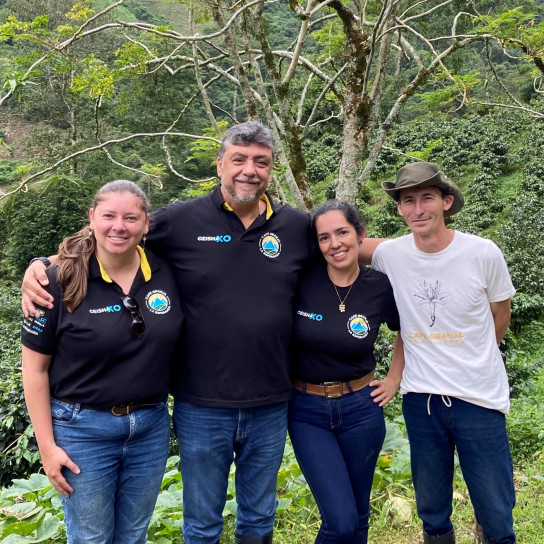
{"x":230,"y":508}
{"x":20,"y":510}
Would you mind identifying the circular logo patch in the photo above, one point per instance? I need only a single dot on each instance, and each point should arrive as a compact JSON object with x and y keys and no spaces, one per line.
{"x":358,"y":326}
{"x":270,"y":245}
{"x":157,"y":302}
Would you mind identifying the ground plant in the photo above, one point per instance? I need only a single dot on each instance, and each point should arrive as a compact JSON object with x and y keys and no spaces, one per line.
{"x":30,"y":509}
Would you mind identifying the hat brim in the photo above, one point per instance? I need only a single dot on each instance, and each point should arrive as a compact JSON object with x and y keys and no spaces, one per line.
{"x":440,"y":181}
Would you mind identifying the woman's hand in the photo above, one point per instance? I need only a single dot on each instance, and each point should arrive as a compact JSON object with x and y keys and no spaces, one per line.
{"x":385,"y":390}
{"x":53,"y":460}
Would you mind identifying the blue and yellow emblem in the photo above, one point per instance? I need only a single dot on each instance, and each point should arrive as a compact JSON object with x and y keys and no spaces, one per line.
{"x":358,"y":326}
{"x":157,"y":302}
{"x":270,"y":245}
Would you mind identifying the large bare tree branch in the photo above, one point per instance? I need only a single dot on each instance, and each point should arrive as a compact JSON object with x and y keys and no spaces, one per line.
{"x":291,"y":86}
{"x":99,"y":147}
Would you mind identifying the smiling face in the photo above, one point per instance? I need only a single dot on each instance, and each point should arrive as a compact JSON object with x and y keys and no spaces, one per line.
{"x":338,"y":241}
{"x":423,"y":210}
{"x":244,"y":172}
{"x":119,"y":222}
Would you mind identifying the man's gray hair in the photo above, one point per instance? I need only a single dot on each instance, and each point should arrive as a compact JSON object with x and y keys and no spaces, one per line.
{"x":250,"y":132}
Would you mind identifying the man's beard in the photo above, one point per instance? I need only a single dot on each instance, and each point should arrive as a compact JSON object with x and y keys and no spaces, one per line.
{"x":243,"y":197}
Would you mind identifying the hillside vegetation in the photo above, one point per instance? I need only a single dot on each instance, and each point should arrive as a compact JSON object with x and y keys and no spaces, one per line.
{"x":480,"y":117}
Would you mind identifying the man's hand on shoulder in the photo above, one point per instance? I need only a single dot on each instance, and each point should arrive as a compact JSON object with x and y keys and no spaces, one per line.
{"x":33,"y":291}
{"x":367,"y":248}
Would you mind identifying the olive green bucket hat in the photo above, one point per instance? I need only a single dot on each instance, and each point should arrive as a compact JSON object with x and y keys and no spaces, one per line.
{"x":425,"y":174}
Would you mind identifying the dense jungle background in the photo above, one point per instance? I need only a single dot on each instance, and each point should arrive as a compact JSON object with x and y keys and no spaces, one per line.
{"x":353,"y":89}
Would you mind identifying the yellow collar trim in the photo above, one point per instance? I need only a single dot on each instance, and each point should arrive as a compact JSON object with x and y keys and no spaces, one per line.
{"x":144,"y":266}
{"x":264,"y":198}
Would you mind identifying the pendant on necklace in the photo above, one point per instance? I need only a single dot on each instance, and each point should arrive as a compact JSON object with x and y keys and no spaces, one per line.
{"x":342,"y":307}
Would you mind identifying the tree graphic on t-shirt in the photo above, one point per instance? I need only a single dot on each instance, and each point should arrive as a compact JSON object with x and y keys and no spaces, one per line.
{"x":430,"y":294}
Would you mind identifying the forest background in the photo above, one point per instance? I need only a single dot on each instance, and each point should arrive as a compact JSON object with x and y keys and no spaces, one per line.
{"x":143,"y":90}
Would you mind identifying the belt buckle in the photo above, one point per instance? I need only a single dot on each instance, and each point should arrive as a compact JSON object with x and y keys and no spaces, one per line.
{"x":331,"y":395}
{"x":125,"y":410}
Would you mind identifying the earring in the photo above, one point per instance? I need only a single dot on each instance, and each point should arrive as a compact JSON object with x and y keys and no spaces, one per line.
{"x":143,"y":241}
{"x":89,"y":234}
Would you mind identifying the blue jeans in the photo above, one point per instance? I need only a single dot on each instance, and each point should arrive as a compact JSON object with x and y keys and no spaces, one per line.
{"x":209,"y":440}
{"x":479,"y":434}
{"x":122,"y":461}
{"x":337,"y":443}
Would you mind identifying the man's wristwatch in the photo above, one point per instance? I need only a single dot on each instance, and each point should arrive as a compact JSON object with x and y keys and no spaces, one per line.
{"x":44,"y":260}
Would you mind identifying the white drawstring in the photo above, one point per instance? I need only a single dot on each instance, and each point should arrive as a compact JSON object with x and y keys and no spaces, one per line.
{"x":445,"y":399}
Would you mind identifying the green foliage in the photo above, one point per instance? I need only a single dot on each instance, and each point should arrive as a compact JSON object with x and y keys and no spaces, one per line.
{"x":35,"y":31}
{"x":8,"y":172}
{"x":35,"y":222}
{"x":31,"y":508}
{"x":447,"y":97}
{"x":142,"y":13}
{"x":18,"y":450}
{"x":386,"y":220}
{"x":81,"y":11}
{"x":96,"y":78}
{"x":131,"y":54}
{"x":200,"y":189}
{"x":36,"y":518}
{"x":516,"y":28}
{"x":322,"y":157}
{"x":332,"y":40}
{"x":204,"y":149}
{"x":522,"y":240}
{"x":525,"y":425}
{"x":523,"y":362}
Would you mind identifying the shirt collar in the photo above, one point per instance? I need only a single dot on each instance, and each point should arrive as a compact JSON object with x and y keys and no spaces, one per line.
{"x":264,"y":198}
{"x":144,"y":266}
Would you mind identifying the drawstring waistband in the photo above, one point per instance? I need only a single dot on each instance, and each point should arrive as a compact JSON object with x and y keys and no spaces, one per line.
{"x":445,"y":399}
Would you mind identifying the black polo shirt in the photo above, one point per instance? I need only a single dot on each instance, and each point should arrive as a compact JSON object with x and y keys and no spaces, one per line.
{"x":237,"y":288}
{"x":329,"y":345}
{"x":95,"y":358}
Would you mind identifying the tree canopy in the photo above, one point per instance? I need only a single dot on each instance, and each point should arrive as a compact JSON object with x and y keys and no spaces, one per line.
{"x":153,"y":96}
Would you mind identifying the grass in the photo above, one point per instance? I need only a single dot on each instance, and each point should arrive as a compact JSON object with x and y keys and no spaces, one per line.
{"x":386,"y":529}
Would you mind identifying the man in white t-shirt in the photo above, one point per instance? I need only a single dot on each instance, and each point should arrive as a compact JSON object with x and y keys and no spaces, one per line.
{"x":453,"y":294}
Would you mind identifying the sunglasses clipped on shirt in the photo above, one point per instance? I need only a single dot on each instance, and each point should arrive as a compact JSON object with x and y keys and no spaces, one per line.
{"x":137,"y":326}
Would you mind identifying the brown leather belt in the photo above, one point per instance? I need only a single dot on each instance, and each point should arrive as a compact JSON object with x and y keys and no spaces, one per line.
{"x":334,"y":390}
{"x":119,"y":410}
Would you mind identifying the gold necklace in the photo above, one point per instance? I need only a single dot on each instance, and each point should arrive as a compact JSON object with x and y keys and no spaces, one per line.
{"x":342,"y":305}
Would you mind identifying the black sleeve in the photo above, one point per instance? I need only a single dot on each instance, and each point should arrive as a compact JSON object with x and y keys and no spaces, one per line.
{"x":40,"y":333}
{"x":160,"y":230}
{"x":313,"y":249}
{"x":390,"y":314}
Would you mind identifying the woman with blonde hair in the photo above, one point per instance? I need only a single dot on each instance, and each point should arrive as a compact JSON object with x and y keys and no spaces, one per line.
{"x":96,"y":370}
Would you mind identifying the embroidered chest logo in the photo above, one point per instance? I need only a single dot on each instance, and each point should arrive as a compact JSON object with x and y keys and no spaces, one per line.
{"x":310,"y":315}
{"x":270,"y":245}
{"x":222,"y":238}
{"x":106,"y":309}
{"x":157,"y":302}
{"x":358,"y":326}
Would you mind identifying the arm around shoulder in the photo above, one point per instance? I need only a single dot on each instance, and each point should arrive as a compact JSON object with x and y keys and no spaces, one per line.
{"x":367,"y":248}
{"x":32,"y":288}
